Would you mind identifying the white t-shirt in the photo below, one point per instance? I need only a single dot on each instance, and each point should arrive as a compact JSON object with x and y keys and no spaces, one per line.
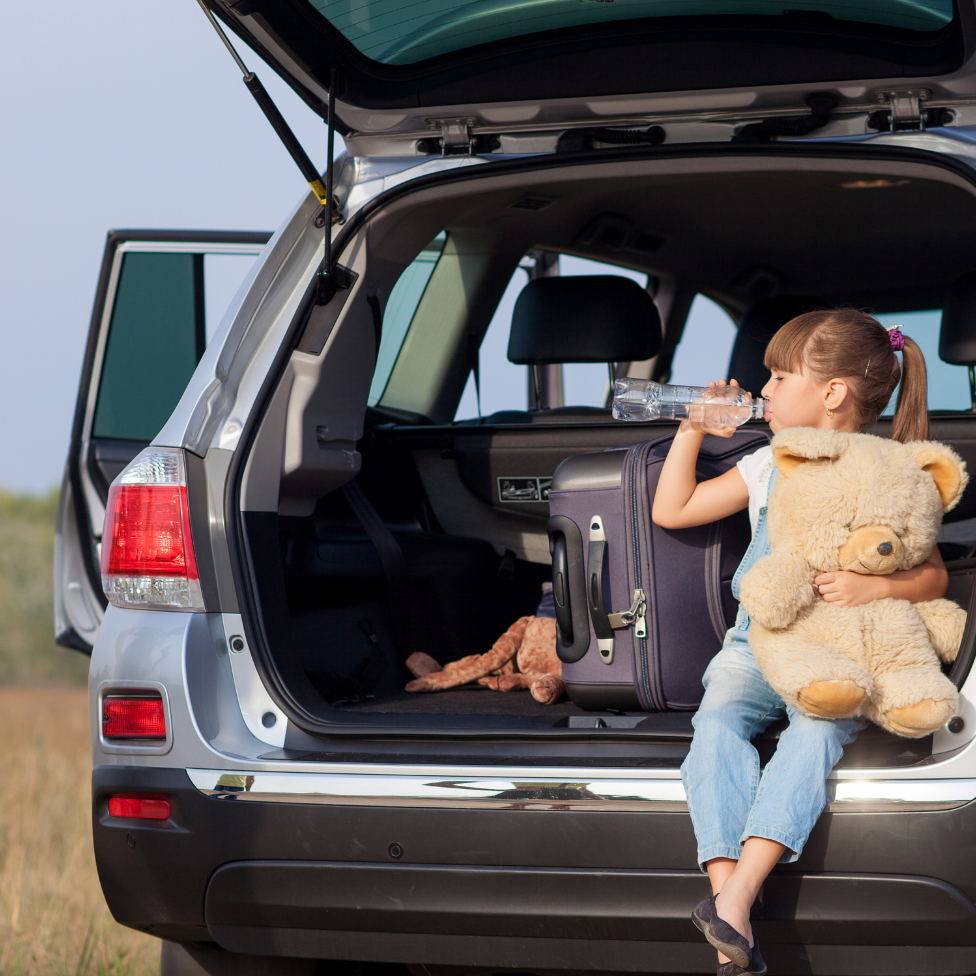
{"x":756,"y":469}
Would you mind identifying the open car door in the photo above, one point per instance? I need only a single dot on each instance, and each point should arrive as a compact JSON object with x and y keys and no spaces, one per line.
{"x":160,"y":296}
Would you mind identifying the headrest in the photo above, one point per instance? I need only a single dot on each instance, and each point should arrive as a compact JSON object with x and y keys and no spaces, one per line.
{"x":957,"y":338}
{"x":585,"y":319}
{"x":759,"y":324}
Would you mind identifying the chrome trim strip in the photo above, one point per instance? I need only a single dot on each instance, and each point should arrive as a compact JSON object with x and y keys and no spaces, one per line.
{"x":544,"y":793}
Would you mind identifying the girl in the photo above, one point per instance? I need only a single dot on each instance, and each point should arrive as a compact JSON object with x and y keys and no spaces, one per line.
{"x":832,"y":370}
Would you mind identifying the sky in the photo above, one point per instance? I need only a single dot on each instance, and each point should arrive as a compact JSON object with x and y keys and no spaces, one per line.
{"x":123,"y":113}
{"x":113,"y":113}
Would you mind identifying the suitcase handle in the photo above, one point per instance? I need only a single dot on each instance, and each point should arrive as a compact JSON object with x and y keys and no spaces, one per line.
{"x":596,"y":557}
{"x":568,"y":588}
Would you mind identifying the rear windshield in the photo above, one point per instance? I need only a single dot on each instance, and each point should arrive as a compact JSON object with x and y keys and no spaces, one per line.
{"x":398,"y":32}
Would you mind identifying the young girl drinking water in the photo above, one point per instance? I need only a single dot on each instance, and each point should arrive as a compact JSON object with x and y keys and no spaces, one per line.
{"x":834,"y":370}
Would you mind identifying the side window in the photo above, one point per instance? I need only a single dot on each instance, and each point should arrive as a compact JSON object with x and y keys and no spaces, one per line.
{"x":948,"y":385}
{"x":505,"y":386}
{"x":155,"y":339}
{"x":166,"y":308}
{"x":706,"y":344}
{"x":399,"y":313}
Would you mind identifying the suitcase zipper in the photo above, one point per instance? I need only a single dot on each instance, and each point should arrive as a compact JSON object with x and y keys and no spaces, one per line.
{"x":647,"y":684}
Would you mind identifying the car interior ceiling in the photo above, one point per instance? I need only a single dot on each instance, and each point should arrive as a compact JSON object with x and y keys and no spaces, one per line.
{"x":765,"y":245}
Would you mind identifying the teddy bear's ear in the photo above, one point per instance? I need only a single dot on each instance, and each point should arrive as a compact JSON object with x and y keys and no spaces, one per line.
{"x":947,"y":469}
{"x":799,"y":445}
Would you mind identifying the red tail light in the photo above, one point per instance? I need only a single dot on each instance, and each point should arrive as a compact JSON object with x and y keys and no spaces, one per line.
{"x":142,"y":806}
{"x":147,"y":548}
{"x":133,"y":718}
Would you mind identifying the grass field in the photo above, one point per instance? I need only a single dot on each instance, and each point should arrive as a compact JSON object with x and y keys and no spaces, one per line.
{"x":53,"y":919}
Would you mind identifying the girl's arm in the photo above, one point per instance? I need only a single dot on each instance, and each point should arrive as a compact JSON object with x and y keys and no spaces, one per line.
{"x":680,"y":502}
{"x":927,"y":581}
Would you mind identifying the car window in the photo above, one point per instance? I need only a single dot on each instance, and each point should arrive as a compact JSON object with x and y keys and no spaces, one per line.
{"x":706,"y":344}
{"x":399,"y":313}
{"x":405,"y":33}
{"x":155,"y":339}
{"x":948,"y":384}
{"x":505,"y":386}
{"x":166,"y":307}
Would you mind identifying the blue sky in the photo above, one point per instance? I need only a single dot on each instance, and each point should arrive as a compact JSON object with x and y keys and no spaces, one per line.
{"x":122,"y":113}
{"x":114,"y":113}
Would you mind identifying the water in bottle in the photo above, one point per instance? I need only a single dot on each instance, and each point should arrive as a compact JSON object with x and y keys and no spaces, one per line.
{"x":636,"y":399}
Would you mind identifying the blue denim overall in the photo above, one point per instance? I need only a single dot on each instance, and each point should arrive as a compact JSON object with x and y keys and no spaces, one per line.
{"x":728,"y":798}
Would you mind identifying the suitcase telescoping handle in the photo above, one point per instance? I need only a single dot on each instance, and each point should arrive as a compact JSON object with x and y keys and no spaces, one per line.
{"x":568,"y":588}
{"x":604,"y":621}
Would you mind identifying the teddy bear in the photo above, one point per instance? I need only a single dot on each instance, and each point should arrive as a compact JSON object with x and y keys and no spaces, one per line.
{"x":523,"y":657}
{"x":869,"y":505}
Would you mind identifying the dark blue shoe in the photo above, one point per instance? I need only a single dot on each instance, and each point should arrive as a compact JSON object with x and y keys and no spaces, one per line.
{"x":722,"y":936}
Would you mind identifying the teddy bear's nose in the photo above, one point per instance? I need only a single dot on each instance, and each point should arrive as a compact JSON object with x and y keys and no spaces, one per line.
{"x":885,"y":548}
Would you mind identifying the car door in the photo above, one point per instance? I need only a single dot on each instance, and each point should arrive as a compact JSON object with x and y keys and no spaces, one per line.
{"x":160,"y":296}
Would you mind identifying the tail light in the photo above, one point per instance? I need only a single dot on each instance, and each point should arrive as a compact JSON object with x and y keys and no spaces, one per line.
{"x":147,"y":548}
{"x":140,"y":806}
{"x":133,"y":718}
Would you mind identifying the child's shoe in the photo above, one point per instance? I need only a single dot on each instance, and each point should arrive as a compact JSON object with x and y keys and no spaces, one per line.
{"x":721,"y":935}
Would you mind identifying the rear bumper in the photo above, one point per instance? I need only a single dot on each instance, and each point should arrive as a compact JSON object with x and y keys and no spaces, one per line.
{"x":556,"y":888}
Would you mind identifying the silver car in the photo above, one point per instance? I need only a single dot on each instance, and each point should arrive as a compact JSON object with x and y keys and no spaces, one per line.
{"x":259,"y":525}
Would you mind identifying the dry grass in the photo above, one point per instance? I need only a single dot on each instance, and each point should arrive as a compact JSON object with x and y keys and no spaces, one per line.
{"x":53,"y":919}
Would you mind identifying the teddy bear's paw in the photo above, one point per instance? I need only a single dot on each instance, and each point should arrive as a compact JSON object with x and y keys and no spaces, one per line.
{"x":914,"y":721}
{"x":832,"y":699}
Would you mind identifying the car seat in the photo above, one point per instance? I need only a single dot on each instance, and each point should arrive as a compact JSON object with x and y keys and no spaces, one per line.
{"x":957,"y":336}
{"x":583,"y":319}
{"x":756,"y":327}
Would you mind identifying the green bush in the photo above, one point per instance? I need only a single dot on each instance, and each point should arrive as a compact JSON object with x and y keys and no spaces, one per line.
{"x":28,"y":654}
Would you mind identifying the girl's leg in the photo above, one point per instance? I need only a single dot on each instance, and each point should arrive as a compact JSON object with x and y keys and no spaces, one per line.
{"x":721,"y":771}
{"x":792,"y":795}
{"x":740,"y":885}
{"x":793,"y":790}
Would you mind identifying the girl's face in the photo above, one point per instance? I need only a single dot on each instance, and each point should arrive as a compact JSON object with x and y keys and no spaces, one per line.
{"x":795,"y":400}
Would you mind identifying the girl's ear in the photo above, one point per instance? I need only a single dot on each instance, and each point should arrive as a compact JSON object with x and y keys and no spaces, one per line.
{"x":836,"y":393}
{"x":798,"y":445}
{"x":947,"y":469}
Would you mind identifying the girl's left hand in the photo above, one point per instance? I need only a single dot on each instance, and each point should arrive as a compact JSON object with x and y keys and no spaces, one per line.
{"x":845,"y":589}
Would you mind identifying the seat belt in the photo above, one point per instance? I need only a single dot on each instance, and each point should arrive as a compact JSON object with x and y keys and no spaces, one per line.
{"x":392,"y":561}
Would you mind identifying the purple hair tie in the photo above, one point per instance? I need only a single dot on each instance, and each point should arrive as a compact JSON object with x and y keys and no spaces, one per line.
{"x":896,"y":339}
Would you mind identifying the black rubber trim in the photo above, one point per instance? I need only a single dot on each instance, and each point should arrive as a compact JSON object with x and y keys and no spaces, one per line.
{"x":196,"y":496}
{"x":69,"y":637}
{"x":270,"y":675}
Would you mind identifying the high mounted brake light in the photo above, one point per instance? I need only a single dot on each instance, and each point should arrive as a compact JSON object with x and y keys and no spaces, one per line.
{"x":147,"y":549}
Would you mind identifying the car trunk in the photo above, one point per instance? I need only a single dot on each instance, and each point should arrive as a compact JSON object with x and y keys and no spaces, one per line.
{"x":889,"y":230}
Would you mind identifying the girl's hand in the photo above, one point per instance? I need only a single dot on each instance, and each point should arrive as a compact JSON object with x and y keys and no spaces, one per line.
{"x":846,"y":589}
{"x":716,"y":389}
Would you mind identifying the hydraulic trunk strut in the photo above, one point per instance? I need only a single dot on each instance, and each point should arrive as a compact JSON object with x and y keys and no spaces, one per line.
{"x":322,"y":192}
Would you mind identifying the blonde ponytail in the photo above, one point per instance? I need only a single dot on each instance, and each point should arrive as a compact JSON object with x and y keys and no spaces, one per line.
{"x":911,"y":422}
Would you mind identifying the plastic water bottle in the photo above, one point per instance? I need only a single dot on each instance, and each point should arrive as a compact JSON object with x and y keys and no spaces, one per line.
{"x":636,"y":399}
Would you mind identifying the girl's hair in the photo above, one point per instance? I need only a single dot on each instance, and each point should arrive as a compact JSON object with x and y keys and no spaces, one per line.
{"x":844,"y":343}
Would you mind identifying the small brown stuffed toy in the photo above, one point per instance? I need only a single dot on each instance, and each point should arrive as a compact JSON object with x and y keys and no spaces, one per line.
{"x":523,"y":657}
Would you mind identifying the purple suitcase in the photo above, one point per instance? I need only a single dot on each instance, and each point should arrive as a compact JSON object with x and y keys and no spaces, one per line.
{"x":640,"y":610}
